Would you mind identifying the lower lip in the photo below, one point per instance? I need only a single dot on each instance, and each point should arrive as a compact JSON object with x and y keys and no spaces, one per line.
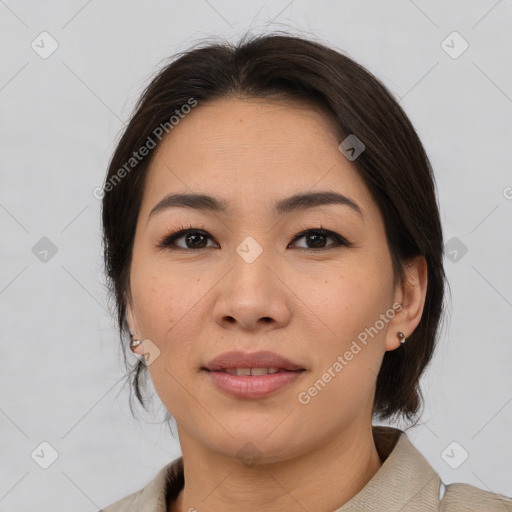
{"x":257,"y":386}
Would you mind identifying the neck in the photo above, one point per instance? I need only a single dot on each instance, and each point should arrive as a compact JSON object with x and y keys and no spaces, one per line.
{"x":322,"y":479}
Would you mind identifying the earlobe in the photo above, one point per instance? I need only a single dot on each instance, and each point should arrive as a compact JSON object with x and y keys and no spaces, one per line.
{"x":134,"y":345}
{"x":135,"y":341}
{"x":412,"y":294}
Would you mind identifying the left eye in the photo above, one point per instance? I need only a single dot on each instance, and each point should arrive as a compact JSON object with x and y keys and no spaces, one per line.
{"x":197,"y":239}
{"x":317,"y":237}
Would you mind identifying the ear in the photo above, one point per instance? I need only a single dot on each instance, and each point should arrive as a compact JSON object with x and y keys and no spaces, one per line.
{"x":131,"y":319}
{"x":411,"y":295}
{"x":134,"y":328}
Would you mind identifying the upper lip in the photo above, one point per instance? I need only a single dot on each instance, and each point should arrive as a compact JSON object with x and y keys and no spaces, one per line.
{"x":263,"y":359}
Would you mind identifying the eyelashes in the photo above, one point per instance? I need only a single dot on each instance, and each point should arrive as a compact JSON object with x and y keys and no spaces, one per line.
{"x":199,"y":238}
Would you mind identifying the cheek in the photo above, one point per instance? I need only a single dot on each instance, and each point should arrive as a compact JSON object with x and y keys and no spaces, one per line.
{"x":163,"y":296}
{"x":168,"y":304}
{"x":350,"y":300}
{"x":338,"y":396}
{"x":350,"y":353}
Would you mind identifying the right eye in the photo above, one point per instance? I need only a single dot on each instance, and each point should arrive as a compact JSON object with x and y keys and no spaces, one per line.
{"x":193,"y":238}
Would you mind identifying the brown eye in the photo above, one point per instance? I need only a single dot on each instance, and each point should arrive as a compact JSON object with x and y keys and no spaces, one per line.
{"x":315,"y":239}
{"x":194,"y":239}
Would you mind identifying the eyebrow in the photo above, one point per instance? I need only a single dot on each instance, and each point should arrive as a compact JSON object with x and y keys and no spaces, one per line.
{"x":297,"y":202}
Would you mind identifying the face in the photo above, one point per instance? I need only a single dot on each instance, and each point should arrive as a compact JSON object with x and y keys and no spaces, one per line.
{"x":311,"y":281}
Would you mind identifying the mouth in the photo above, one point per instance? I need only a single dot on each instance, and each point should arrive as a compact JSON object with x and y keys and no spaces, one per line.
{"x":254,"y":371}
{"x":256,"y":363}
{"x":255,"y":375}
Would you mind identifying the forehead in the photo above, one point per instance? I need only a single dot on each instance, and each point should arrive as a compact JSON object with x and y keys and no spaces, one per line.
{"x":252,"y":152}
{"x":257,"y":124}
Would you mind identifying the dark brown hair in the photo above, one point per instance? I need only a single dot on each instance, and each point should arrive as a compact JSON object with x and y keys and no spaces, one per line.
{"x":394,"y":166}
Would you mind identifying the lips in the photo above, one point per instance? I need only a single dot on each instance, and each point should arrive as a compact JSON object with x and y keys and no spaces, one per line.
{"x":242,"y":362}
{"x":251,"y":376}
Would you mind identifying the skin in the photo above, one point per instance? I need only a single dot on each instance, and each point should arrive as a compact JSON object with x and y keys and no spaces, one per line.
{"x":303,"y":302}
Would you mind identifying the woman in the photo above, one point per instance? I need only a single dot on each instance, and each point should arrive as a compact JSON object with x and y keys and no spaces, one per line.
{"x":273,"y":243}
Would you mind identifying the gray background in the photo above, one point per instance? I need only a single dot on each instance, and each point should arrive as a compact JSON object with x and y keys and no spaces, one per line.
{"x":61,"y":115}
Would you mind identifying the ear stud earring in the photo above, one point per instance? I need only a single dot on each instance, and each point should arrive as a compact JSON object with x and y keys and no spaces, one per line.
{"x":134,"y":343}
{"x":401,"y":337}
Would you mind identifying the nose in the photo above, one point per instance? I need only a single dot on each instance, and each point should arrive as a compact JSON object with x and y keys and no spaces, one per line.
{"x":253,"y":296}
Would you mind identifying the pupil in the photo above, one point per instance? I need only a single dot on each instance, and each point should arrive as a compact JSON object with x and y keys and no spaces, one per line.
{"x":195,"y":236}
{"x":318,"y":237}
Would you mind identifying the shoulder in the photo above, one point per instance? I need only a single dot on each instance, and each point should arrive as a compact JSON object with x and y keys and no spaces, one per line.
{"x":408,"y":482}
{"x":467,"y":498}
{"x":156,"y":494}
{"x":125,"y":504}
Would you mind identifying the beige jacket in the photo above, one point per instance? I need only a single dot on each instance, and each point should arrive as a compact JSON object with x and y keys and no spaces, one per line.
{"x":404,"y":483}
